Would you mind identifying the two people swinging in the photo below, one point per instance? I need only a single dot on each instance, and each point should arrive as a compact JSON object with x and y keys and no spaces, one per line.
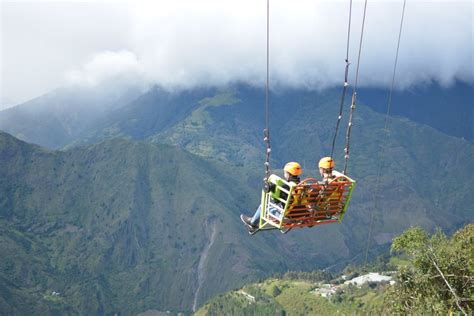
{"x":292,"y":172}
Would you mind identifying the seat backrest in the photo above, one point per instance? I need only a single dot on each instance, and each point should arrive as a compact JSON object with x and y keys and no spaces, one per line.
{"x":318,"y":200}
{"x":280,"y":186}
{"x":274,"y":198}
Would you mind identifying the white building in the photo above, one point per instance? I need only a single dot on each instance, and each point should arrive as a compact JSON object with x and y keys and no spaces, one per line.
{"x":370,"y":277}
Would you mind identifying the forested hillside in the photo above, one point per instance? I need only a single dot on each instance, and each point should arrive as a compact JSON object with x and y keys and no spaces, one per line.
{"x":119,"y":226}
{"x":131,"y":226}
{"x":424,"y":275}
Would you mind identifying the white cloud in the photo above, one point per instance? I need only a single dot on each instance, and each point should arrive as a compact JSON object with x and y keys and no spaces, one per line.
{"x":186,"y":43}
{"x":43,"y":40}
{"x":122,"y":65}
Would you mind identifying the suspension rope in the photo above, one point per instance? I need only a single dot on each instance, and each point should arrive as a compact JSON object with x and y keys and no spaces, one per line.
{"x":346,"y":84}
{"x":266,"y":131}
{"x":384,"y":141}
{"x":354,"y":95}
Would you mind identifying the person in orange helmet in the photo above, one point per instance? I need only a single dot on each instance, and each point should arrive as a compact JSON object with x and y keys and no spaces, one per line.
{"x":292,"y":171}
{"x":326,"y":168}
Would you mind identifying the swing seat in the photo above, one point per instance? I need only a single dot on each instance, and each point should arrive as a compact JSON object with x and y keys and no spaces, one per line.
{"x":309,"y":203}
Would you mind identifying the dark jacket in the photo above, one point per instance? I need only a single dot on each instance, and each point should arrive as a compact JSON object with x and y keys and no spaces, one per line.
{"x":284,"y":195}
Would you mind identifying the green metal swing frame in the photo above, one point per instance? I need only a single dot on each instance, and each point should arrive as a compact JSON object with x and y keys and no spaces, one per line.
{"x":308,"y":204}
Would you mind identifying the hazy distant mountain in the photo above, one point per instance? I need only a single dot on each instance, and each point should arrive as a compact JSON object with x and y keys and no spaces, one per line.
{"x":450,"y":110}
{"x":57,"y":118}
{"x":151,"y":113}
{"x":74,"y":116}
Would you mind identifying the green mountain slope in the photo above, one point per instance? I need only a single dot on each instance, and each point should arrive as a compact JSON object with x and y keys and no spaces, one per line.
{"x":130,"y":226}
{"x":127,"y":241}
{"x":226,"y":126}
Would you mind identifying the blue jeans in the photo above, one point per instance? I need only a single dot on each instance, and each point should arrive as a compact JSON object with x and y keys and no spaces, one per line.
{"x":256,"y":217}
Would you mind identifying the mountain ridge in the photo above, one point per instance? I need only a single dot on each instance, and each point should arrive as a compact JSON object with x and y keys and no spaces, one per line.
{"x":95,"y":115}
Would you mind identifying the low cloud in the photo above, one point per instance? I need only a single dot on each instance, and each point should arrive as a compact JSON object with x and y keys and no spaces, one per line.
{"x":189,"y":43}
{"x":122,"y":67}
{"x":216,"y":42}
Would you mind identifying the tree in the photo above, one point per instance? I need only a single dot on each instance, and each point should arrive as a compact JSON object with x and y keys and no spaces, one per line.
{"x":275,"y":291}
{"x":440,"y":276}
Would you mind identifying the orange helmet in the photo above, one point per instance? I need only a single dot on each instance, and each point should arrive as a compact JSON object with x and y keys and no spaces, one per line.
{"x":326,"y":163}
{"x":293,"y":168}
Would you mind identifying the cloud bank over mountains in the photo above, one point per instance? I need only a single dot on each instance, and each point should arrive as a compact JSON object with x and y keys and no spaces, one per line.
{"x":189,"y":43}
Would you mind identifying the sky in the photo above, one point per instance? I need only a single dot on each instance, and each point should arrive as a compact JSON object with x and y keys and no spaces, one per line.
{"x":182,"y":44}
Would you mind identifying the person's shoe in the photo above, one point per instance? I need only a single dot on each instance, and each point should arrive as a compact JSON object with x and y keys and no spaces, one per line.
{"x":253,"y":230}
{"x":248,"y":222}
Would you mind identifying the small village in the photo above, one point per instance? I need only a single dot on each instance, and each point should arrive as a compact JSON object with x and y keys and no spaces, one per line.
{"x":327,"y":290}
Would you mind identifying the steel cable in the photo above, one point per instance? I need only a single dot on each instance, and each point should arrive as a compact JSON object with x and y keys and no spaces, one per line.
{"x":346,"y":84}
{"x":382,"y":150}
{"x":354,"y":94}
